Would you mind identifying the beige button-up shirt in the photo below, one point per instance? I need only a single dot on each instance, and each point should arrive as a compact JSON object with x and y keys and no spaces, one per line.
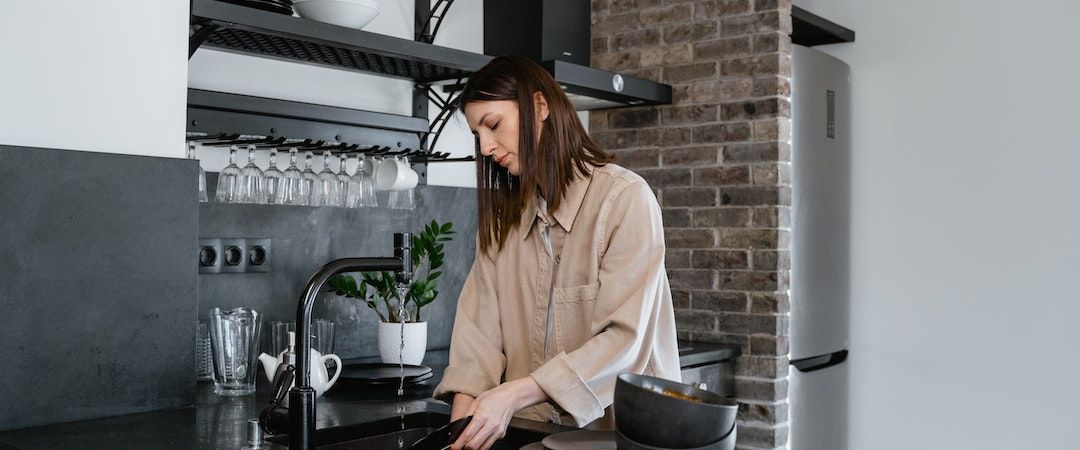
{"x":573,"y":299}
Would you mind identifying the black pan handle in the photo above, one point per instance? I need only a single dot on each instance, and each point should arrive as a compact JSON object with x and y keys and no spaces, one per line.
{"x":820,"y":362}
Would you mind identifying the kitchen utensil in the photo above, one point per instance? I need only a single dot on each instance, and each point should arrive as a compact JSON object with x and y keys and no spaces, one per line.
{"x":383,"y":374}
{"x":321,"y":381}
{"x":226,"y":186}
{"x":648,"y":415}
{"x":727,"y":443}
{"x":443,"y":436}
{"x":581,"y":440}
{"x":234,"y":340}
{"x":346,"y":13}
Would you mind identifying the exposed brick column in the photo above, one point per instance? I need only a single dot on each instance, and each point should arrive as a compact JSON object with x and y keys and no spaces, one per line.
{"x":719,"y":161}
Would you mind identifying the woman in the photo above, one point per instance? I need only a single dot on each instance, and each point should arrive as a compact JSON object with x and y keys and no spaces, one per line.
{"x":568,"y":288}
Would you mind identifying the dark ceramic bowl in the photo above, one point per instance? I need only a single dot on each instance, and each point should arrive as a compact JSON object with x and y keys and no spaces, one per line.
{"x":727,"y":443}
{"x":645,"y":414}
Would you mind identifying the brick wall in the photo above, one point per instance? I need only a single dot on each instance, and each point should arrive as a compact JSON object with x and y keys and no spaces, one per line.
{"x":719,"y":161}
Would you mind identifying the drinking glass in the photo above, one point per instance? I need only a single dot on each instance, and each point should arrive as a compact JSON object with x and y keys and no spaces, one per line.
{"x":234,"y":338}
{"x":249,"y":185}
{"x":272,"y":179}
{"x":362,"y":187}
{"x":325,"y":190}
{"x":202,"y":174}
{"x":343,"y":181}
{"x":309,"y":178}
{"x":322,"y":338}
{"x":292,"y":191}
{"x":204,"y":365}
{"x":279,"y":336}
{"x":226,"y":187}
{"x":403,"y":199}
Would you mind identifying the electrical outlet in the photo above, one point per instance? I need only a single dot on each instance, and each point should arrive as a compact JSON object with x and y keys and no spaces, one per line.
{"x":209,"y":255}
{"x":234,"y":256}
{"x":258,"y":255}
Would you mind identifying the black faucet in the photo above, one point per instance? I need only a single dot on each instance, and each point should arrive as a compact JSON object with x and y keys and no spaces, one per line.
{"x":298,"y":419}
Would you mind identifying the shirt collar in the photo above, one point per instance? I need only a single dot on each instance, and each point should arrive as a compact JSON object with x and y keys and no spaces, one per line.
{"x":568,"y":210}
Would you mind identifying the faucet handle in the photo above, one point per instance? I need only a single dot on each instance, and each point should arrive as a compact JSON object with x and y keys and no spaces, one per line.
{"x":283,"y":380}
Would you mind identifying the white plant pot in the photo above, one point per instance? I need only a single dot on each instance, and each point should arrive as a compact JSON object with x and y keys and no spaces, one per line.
{"x":390,"y":342}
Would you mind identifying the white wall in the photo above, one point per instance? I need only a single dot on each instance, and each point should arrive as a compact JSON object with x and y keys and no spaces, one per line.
{"x":99,"y":76}
{"x":965,"y":222}
{"x":227,"y":72}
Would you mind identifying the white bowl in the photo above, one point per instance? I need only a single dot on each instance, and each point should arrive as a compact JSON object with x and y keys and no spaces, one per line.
{"x":345,"y":13}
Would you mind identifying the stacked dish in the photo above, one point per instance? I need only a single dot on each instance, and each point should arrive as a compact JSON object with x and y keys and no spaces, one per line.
{"x":346,"y":13}
{"x":278,"y":6}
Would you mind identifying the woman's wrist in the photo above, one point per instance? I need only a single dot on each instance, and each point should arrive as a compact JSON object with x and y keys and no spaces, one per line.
{"x":527,"y":392}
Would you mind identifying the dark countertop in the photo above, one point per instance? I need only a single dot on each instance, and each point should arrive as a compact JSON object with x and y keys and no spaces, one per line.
{"x":218,"y":422}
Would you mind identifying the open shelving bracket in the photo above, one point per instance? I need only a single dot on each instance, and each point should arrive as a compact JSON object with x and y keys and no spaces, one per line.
{"x":429,"y":18}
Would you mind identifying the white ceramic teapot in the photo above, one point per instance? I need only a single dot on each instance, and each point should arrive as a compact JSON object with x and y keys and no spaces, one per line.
{"x":321,"y":381}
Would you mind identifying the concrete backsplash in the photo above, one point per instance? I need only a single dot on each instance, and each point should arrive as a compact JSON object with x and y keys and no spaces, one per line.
{"x":97,"y":285}
{"x":305,"y":238}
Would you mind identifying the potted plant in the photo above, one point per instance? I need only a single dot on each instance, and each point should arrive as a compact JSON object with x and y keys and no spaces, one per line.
{"x":402,"y":332}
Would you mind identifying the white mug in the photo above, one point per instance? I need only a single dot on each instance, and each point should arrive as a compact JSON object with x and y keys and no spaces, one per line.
{"x":395,"y":175}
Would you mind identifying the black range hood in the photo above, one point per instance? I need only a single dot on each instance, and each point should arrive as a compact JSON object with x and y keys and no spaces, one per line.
{"x":590,"y":88}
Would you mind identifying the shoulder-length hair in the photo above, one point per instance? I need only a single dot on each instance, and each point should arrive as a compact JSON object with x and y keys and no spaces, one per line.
{"x":550,"y":164}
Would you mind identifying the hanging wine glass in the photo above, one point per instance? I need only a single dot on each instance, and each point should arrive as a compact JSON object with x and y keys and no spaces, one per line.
{"x":226,"y":187}
{"x":362,"y":186}
{"x":343,"y":181}
{"x":202,"y":174}
{"x":293,"y":190}
{"x":272,"y":178}
{"x":325,"y":189}
{"x":249,"y":185}
{"x":309,"y":176}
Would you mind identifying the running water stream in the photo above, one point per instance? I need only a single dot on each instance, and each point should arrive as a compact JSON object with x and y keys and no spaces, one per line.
{"x":402,"y":289}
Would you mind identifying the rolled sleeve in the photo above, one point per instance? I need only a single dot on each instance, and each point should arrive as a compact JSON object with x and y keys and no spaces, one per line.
{"x":477,"y":360}
{"x":633,"y":283}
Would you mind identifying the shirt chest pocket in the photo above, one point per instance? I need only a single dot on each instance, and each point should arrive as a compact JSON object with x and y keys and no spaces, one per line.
{"x":574,"y":314}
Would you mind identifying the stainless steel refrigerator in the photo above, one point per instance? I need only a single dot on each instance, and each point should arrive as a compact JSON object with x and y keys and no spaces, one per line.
{"x":820,"y":211}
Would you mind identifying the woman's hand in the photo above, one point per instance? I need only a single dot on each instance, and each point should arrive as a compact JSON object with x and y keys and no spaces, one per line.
{"x":492,"y":411}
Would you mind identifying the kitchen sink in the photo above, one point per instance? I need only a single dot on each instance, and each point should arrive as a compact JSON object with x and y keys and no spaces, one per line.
{"x":385,"y":433}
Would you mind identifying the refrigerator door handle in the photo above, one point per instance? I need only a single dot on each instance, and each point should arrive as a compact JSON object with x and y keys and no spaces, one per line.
{"x":820,"y":362}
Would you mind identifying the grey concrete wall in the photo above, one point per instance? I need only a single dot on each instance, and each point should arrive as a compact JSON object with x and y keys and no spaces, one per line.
{"x":305,"y":238}
{"x":98,"y":284}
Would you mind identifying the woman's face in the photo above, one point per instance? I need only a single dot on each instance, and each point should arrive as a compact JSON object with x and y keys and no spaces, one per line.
{"x":495,"y":124}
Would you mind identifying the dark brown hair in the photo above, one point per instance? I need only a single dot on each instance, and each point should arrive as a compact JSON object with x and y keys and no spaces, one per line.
{"x":561,"y":155}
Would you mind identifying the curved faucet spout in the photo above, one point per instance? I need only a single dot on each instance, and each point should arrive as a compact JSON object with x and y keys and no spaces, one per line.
{"x":302,"y":397}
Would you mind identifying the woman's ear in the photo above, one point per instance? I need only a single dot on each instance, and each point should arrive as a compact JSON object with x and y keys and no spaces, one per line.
{"x":540,"y":106}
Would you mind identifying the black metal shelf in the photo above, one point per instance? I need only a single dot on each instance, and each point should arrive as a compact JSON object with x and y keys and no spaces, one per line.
{"x":266,"y":34}
{"x":223,"y":119}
